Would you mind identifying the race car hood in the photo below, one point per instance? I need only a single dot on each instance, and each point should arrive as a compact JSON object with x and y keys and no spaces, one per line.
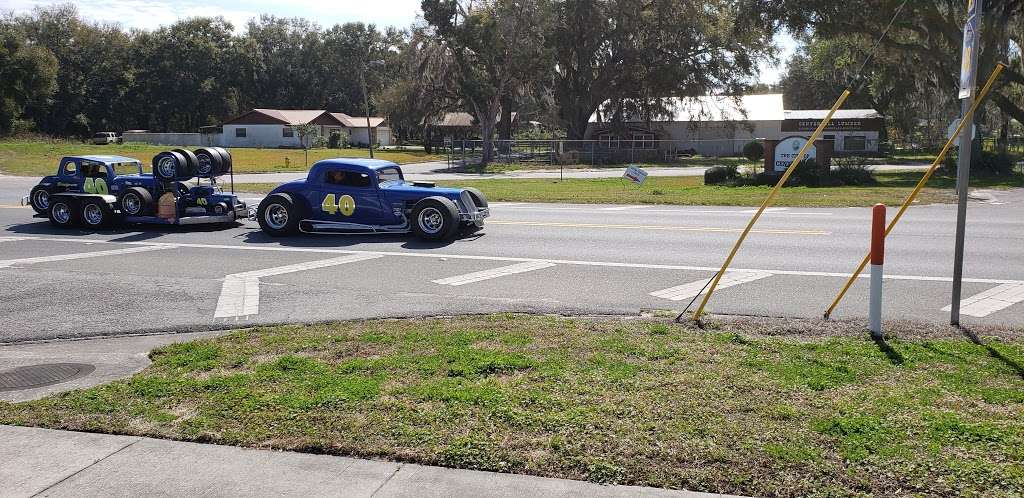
{"x":408,"y":191}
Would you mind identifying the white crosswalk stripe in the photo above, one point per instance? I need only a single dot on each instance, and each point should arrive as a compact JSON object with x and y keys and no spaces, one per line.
{"x":694,"y":289}
{"x":997,"y":298}
{"x":81,"y":255}
{"x":240,"y":293}
{"x":494,"y":273}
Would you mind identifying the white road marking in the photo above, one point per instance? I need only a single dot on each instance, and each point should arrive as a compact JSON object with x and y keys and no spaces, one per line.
{"x":992,"y":300}
{"x":11,"y":239}
{"x":659,"y":227}
{"x":652,"y":209}
{"x":494,"y":273}
{"x":694,"y":289}
{"x":240,"y":293}
{"x":622,"y":208}
{"x":82,"y":255}
{"x":610,"y":264}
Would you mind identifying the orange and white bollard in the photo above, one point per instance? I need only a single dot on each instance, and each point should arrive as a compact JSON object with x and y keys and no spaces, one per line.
{"x":877,"y":258}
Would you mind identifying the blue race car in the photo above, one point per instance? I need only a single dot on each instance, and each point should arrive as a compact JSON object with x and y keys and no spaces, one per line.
{"x":369,"y":196}
{"x":98,"y":190}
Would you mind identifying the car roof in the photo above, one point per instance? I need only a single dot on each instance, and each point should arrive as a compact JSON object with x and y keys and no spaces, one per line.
{"x":106,"y":159}
{"x":355,"y":163}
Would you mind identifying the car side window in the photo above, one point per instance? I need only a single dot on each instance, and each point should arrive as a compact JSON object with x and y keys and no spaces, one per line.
{"x":70,"y":168}
{"x":347,"y":178}
{"x":92,"y":169}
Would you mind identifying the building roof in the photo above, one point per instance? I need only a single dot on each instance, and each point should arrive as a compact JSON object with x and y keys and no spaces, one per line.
{"x":293,"y":117}
{"x":766,"y":107}
{"x":840,"y":114}
{"x":464,"y":119}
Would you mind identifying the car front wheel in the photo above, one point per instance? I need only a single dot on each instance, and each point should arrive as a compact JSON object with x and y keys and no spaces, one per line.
{"x":40,"y":199}
{"x":435,"y":218}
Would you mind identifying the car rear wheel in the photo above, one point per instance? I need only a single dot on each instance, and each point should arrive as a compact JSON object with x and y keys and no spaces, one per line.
{"x":278,"y":215}
{"x":62,"y":213}
{"x":435,"y":218}
{"x":39,"y":197}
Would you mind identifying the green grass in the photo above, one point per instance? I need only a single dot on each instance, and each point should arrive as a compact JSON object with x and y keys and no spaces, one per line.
{"x":687,"y":162}
{"x":892,"y":189}
{"x":623,"y":401}
{"x":38,"y":158}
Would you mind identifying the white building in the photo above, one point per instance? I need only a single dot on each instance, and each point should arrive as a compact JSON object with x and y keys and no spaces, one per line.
{"x":276,"y":128}
{"x":722,"y":125}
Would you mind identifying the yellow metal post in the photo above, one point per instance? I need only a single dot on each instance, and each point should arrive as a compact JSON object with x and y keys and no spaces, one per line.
{"x":768,"y":200}
{"x":920,"y":185}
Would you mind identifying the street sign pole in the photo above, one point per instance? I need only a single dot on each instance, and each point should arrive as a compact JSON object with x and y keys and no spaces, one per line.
{"x":968,"y":77}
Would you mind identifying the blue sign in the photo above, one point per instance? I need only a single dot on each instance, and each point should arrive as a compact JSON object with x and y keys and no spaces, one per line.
{"x":969,"y":55}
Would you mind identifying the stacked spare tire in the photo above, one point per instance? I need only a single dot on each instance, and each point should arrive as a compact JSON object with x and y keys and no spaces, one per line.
{"x":181,"y":164}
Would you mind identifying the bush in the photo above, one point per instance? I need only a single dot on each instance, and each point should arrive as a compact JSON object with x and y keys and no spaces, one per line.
{"x":984,"y":163}
{"x":337,"y":140}
{"x":720,"y":174}
{"x":809,"y":174}
{"x":753,"y":151}
{"x":853,"y":171}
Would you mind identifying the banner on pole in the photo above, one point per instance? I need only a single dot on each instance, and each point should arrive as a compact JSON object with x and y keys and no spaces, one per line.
{"x":969,"y":55}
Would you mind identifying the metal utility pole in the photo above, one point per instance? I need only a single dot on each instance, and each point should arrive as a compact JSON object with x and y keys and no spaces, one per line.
{"x":968,"y":77}
{"x":366,"y":105}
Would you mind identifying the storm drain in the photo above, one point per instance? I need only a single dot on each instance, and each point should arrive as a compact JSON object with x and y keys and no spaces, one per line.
{"x":33,"y":376}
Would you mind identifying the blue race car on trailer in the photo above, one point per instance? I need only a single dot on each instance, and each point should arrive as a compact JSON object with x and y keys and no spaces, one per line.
{"x":369,"y":196}
{"x":95,"y":191}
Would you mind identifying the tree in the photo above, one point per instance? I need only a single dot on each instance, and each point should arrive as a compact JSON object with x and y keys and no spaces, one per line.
{"x":497,"y":46}
{"x":926,"y":38}
{"x":305,"y":132}
{"x":27,"y":74}
{"x":635,"y":52}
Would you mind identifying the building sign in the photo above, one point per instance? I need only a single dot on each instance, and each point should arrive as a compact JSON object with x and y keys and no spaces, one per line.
{"x":787,"y":150}
{"x":799,"y":125}
{"x":635,"y":174}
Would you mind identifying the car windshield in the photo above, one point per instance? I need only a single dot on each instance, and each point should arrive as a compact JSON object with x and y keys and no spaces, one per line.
{"x":389,"y":175}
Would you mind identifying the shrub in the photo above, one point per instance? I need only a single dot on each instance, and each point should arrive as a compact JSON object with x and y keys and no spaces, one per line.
{"x":853,"y":171}
{"x":337,"y":140}
{"x":720,"y":174}
{"x":809,"y":174}
{"x":984,"y":163}
{"x":753,"y":151}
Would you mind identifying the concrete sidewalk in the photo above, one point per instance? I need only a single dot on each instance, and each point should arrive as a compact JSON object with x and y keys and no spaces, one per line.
{"x":43,"y":462}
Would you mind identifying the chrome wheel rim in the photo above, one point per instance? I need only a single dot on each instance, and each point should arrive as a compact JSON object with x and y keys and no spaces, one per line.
{"x":61,"y":213}
{"x":167,"y":167}
{"x":131,"y":204}
{"x":42,"y":199}
{"x":430,"y":220}
{"x":92,"y":214}
{"x":276,"y":216}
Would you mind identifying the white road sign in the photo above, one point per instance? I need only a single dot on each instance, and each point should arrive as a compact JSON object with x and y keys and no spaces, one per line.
{"x":635,"y":174}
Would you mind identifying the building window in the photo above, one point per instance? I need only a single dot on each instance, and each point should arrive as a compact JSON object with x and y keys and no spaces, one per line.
{"x":643,"y":141}
{"x":287,"y":132}
{"x":239,"y":132}
{"x":608,"y":141}
{"x":858,"y":143}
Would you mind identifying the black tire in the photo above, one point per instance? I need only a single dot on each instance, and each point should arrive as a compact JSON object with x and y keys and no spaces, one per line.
{"x":469,"y":229}
{"x":219,"y":209}
{"x":191,"y":162}
{"x":95,"y":213}
{"x":63,"y":212}
{"x":278,"y":215}
{"x":478,"y":197}
{"x":139,"y":202}
{"x":170,"y":166}
{"x":226,"y":162}
{"x":39,"y":199}
{"x":435,"y":218}
{"x":209,"y":162}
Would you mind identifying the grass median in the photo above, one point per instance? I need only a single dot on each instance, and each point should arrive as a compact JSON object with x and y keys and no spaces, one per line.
{"x":892,"y":189}
{"x":38,"y":158}
{"x":756,"y":407}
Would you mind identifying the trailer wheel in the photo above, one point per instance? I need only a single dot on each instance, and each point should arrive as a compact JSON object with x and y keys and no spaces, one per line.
{"x":39,"y":197}
{"x":219,"y":209}
{"x":208,"y":162}
{"x":278,"y":215}
{"x":62,"y":213}
{"x":435,"y":218}
{"x":95,"y":213}
{"x":170,"y":166}
{"x":136,"y":201}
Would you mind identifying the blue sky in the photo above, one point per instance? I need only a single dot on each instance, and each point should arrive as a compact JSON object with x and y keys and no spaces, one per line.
{"x":399,"y":13}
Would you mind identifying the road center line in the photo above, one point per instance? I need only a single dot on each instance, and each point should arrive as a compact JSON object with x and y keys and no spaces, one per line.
{"x":696,"y":288}
{"x":493,"y":273}
{"x":659,"y":227}
{"x":82,"y":255}
{"x":240,"y":293}
{"x":990,"y":301}
{"x":610,"y":264}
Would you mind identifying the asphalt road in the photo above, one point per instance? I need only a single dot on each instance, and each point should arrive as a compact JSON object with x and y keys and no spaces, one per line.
{"x":530,"y":257}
